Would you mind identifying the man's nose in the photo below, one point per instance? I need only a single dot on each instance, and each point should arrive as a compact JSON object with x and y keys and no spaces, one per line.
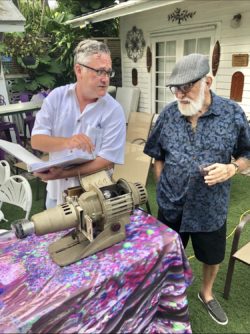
{"x":105,"y":78}
{"x":180,"y":94}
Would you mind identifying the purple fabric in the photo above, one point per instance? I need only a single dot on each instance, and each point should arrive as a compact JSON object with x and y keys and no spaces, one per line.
{"x":136,"y":286}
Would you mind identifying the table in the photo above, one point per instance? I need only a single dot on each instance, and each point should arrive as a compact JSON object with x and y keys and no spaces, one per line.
{"x":136,"y":286}
{"x":18,"y":108}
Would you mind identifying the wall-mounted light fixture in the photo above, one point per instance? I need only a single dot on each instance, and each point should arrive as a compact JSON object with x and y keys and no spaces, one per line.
{"x":236,"y":21}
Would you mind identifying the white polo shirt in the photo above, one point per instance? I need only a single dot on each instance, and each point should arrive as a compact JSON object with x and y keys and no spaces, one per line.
{"x":60,"y":116}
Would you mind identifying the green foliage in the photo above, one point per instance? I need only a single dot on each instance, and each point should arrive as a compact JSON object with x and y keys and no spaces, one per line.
{"x":46,"y":75}
{"x":64,"y":40}
{"x":47,"y":34}
{"x":34,"y":12}
{"x":79,"y":7}
{"x":24,"y":44}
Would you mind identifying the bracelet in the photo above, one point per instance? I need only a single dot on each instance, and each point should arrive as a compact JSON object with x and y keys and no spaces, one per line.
{"x":236,"y":167}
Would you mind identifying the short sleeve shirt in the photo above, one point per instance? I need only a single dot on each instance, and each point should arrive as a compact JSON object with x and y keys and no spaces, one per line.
{"x":222,"y":132}
{"x":60,"y":116}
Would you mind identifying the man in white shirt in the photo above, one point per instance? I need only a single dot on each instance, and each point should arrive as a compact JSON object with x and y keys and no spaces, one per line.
{"x":81,"y":116}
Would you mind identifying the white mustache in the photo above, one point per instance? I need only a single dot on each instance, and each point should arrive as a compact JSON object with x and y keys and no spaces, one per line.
{"x":184,"y":100}
{"x":179,"y":100}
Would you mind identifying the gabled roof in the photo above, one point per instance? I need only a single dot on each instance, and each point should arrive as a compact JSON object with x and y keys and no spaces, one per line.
{"x":122,"y":9}
{"x":11,"y":20}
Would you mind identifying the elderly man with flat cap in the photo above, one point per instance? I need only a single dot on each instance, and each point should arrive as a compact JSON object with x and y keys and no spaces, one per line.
{"x":193,"y":142}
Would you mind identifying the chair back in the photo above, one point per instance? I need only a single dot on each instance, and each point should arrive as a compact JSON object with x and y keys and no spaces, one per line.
{"x":128,"y":97}
{"x":139,"y":125}
{"x":136,"y":166}
{"x":4,"y":171}
{"x":17,"y":191}
{"x":112,"y":91}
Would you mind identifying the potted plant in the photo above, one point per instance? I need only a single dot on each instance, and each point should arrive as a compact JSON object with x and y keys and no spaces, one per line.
{"x":25,"y":47}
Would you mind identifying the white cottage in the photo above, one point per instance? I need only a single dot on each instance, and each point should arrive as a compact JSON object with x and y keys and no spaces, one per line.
{"x":155,"y":34}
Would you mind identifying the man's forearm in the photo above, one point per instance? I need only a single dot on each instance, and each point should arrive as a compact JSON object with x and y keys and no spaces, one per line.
{"x":88,"y":168}
{"x":158,"y":167}
{"x":46,"y":143}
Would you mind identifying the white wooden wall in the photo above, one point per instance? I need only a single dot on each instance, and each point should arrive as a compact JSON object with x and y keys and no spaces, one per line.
{"x":232,"y":41}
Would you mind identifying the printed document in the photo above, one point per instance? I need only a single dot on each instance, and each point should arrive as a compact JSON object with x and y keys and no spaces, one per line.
{"x":34,"y":164}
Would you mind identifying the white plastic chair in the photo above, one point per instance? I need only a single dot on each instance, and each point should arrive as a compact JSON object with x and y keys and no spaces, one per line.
{"x":3,"y":231}
{"x":128,"y":97}
{"x":4,"y":171}
{"x":4,"y":175}
{"x":17,"y":191}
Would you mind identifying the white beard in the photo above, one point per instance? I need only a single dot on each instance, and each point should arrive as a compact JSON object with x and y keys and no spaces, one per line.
{"x":194,"y":106}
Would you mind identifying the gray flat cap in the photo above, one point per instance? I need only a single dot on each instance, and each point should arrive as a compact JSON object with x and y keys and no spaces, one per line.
{"x":190,"y":68}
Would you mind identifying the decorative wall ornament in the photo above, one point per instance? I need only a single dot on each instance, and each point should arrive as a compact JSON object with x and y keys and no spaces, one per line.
{"x":149,"y":59}
{"x":135,"y":44}
{"x":237,"y":86}
{"x":134,"y":77}
{"x":180,"y":15}
{"x":216,"y":58}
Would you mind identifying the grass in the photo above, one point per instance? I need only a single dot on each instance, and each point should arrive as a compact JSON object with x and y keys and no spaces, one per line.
{"x":238,"y":305}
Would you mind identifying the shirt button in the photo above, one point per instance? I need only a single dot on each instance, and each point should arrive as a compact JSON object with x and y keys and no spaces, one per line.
{"x":194,"y":157}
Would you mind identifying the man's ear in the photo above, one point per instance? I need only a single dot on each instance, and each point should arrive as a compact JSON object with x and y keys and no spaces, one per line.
{"x":209,"y":81}
{"x":77,"y":69}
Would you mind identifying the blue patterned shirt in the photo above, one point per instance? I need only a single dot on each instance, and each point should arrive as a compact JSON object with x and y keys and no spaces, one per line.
{"x":222,"y":132}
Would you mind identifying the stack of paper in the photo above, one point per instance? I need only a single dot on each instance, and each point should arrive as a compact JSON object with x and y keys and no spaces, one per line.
{"x":34,"y":164}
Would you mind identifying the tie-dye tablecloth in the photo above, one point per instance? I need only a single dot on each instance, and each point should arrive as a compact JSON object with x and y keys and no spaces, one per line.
{"x":136,"y":286}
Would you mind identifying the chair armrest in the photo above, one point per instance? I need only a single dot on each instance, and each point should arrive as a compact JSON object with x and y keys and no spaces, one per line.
{"x":237,"y":233}
{"x":139,"y":141}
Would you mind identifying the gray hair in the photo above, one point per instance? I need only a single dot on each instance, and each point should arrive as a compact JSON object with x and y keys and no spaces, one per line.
{"x":88,"y":48}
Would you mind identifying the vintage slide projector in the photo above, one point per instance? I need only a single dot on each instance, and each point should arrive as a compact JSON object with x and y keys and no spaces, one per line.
{"x":98,"y":211}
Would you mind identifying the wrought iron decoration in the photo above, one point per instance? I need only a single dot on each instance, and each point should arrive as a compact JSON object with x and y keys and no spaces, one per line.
{"x":135,"y":44}
{"x":180,"y":15}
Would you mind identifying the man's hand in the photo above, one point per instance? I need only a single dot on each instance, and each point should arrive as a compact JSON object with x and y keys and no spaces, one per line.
{"x":47,"y":143}
{"x":80,"y":141}
{"x":218,"y":173}
{"x":53,"y":173}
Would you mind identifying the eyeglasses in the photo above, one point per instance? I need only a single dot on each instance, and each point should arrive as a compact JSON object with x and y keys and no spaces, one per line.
{"x":100,"y":72}
{"x":183,"y":88}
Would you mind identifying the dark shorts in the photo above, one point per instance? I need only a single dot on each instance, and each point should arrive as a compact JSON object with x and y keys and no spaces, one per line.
{"x":209,"y":247}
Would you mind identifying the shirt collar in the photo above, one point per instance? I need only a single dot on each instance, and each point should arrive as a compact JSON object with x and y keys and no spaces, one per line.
{"x":215,"y":105}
